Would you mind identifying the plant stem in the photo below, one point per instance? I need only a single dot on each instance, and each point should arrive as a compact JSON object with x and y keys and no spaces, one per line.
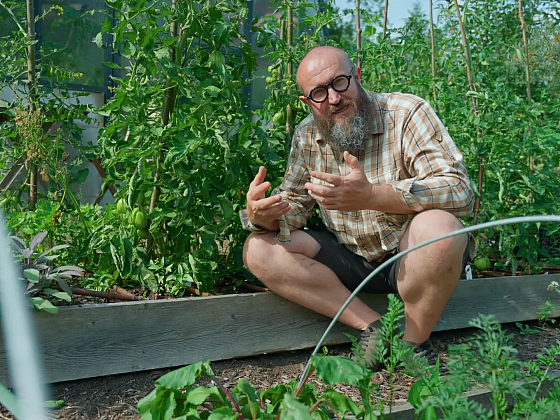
{"x":229,"y":397}
{"x":385,"y":12}
{"x":527,"y":79}
{"x":168,"y":106}
{"x":474,"y":104}
{"x":31,"y":83}
{"x":525,"y":50}
{"x":433,"y":43}
{"x":358,"y":35}
{"x":289,"y":72}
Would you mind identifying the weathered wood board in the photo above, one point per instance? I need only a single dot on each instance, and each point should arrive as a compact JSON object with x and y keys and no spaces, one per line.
{"x":107,"y":339}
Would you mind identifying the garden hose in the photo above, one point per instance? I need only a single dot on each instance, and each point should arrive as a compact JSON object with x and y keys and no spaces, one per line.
{"x":20,"y":342}
{"x":501,"y":222}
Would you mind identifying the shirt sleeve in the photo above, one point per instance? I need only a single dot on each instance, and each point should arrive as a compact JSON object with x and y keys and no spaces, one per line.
{"x":294,"y":192}
{"x":437,"y":177}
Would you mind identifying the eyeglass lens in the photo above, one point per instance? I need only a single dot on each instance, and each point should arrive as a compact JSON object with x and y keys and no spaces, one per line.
{"x":339,"y":84}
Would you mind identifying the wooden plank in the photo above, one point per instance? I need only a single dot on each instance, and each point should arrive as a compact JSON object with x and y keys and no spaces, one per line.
{"x":107,"y":339}
{"x":510,"y":299}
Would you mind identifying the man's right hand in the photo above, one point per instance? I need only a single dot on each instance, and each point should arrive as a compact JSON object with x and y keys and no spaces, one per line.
{"x":262,"y":211}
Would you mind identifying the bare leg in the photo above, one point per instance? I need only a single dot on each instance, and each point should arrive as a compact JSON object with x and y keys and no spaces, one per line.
{"x":428,"y":276}
{"x":289,"y":271}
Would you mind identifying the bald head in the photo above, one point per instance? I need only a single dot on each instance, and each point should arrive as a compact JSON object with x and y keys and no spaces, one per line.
{"x":320,"y":61}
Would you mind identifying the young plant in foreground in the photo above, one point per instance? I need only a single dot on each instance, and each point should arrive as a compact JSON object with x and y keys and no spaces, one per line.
{"x":488,"y":360}
{"x":40,"y":276}
{"x":178,"y":396}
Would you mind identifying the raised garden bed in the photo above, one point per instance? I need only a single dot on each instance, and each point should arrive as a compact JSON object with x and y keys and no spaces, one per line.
{"x":106,"y":339}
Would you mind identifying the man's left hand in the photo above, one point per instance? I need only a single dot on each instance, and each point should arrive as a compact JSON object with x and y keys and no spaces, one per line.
{"x":352,"y":192}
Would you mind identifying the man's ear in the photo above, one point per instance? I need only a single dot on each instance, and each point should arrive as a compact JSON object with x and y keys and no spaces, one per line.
{"x":358,"y":74}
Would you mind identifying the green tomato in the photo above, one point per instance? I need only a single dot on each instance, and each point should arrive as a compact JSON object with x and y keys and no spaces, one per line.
{"x":271,"y":68}
{"x":482,"y":263}
{"x":270,"y":80}
{"x":140,"y":200}
{"x":121,"y":206}
{"x":140,"y":220}
{"x":279,"y":118}
{"x":5,"y":202}
{"x":144,"y":233}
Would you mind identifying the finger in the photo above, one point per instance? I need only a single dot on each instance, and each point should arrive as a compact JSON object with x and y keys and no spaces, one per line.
{"x":259,"y":178}
{"x":257,"y":192}
{"x":278,"y":210}
{"x":321,"y":200}
{"x":266,"y":203}
{"x":321,"y":190}
{"x":272,"y":212}
{"x":334,"y":180}
{"x":352,"y":161}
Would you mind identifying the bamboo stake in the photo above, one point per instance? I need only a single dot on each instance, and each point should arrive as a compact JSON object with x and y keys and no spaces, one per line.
{"x":31,"y":83}
{"x":168,"y":105}
{"x":433,"y":43}
{"x":525,"y":50}
{"x":385,"y":13}
{"x":474,"y":105}
{"x":289,"y":71}
{"x":527,"y":78}
{"x":358,"y":35}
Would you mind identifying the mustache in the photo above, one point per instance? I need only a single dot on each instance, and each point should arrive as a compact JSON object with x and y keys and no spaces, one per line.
{"x":339,"y":106}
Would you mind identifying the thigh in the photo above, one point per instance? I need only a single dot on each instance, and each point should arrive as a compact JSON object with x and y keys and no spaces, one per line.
{"x":350,"y":268}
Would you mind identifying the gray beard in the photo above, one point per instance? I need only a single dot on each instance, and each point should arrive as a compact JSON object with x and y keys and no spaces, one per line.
{"x":350,"y":134}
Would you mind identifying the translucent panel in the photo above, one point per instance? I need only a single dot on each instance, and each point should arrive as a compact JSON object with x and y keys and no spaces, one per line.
{"x":71,"y":33}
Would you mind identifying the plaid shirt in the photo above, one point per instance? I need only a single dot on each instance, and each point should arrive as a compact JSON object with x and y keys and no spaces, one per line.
{"x":410,"y":150}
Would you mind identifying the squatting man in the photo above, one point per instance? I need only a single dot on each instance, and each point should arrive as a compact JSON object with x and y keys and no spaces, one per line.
{"x":387,"y":176}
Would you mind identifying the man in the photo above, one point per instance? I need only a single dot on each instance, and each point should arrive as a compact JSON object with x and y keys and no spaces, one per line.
{"x":387,"y":176}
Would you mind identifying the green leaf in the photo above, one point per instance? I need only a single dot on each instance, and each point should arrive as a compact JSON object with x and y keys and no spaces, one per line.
{"x":340,"y":369}
{"x":57,"y":294}
{"x":98,"y":40}
{"x":44,"y":305}
{"x":199,"y":394}
{"x":157,"y":405}
{"x":222,"y":413}
{"x":418,"y":393}
{"x":81,"y":176}
{"x":292,"y":409}
{"x":341,"y":402}
{"x":128,"y":256}
{"x":213,"y":91}
{"x":32,"y":275}
{"x":208,"y":215}
{"x":10,"y":401}
{"x":185,"y":376}
{"x":54,"y":404}
{"x":227,"y":207}
{"x":429,"y":413}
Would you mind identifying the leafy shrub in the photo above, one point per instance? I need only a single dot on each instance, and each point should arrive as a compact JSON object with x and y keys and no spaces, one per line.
{"x":40,"y":277}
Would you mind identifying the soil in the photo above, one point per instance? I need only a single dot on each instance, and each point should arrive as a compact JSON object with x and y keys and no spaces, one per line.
{"x":116,"y":397}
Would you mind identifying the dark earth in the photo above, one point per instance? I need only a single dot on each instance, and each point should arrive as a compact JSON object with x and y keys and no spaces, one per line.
{"x":116,"y":397}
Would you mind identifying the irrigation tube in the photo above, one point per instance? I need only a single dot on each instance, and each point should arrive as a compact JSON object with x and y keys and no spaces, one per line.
{"x":19,"y":340}
{"x":510,"y":221}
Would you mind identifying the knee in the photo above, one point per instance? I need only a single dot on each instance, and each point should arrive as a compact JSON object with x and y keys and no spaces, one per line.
{"x":258,"y":248}
{"x":432,"y":224}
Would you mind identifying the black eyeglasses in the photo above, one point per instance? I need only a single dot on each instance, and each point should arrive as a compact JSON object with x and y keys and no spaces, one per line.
{"x":339,"y":84}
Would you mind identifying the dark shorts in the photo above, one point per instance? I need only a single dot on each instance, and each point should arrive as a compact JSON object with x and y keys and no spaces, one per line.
{"x":351,"y":269}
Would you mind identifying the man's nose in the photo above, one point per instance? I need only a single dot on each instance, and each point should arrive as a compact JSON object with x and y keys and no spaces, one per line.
{"x":334,"y":96}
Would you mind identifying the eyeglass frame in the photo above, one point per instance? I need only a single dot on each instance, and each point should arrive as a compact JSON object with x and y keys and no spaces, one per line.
{"x":326,"y":87}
